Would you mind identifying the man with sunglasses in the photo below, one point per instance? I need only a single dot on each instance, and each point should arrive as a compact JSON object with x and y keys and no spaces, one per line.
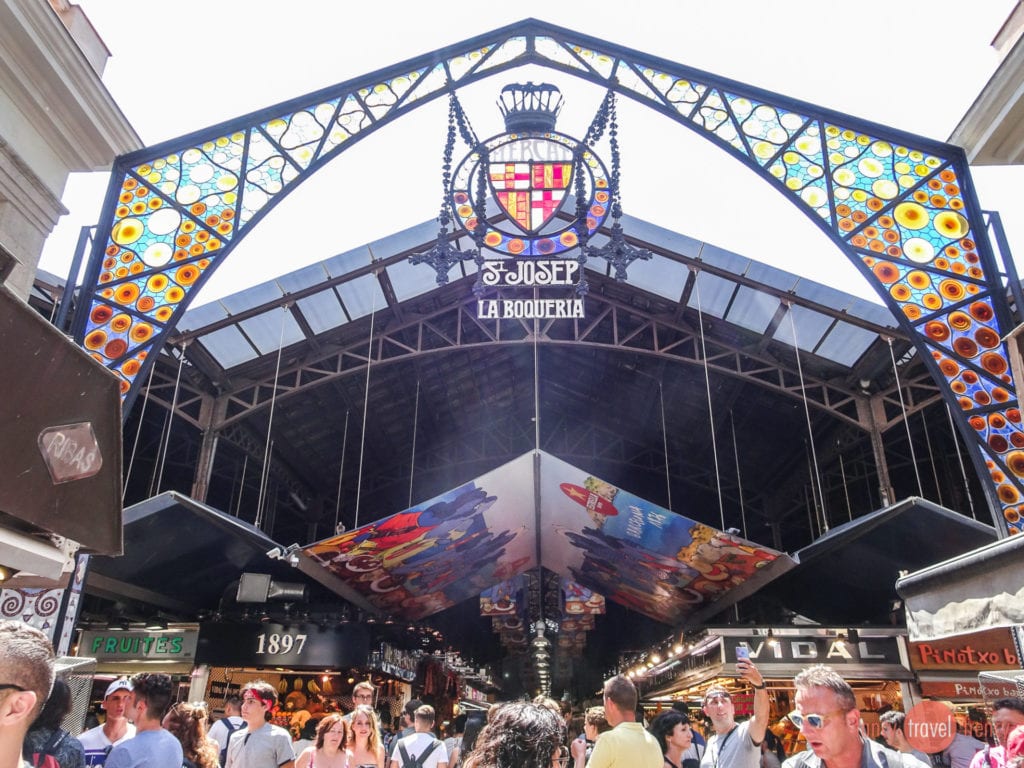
{"x":826,"y":714}
{"x":736,"y":745}
{"x":26,"y":677}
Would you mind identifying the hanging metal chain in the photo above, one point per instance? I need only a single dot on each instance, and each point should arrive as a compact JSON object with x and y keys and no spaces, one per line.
{"x":617,"y":252}
{"x":480,"y":212}
{"x":443,"y":256}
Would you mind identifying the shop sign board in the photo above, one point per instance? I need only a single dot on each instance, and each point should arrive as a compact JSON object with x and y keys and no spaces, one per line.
{"x":70,"y":452}
{"x":968,"y":690}
{"x":815,"y":649}
{"x":510,"y":273}
{"x":992,"y":649}
{"x":295,"y":646}
{"x":136,"y":646}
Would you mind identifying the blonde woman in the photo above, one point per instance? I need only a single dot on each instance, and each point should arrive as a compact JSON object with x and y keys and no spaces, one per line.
{"x":364,"y":739}
{"x":328,"y":751}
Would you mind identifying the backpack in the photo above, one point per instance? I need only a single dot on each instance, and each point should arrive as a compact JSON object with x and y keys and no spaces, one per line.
{"x":48,"y":757}
{"x":421,"y":760}
{"x":227,"y":739}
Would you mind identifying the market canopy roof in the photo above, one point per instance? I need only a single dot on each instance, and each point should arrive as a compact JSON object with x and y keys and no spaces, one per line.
{"x":849,"y":574}
{"x":539,"y":510}
{"x":181,"y":556}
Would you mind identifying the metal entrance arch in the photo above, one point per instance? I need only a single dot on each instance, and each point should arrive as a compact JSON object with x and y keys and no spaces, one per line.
{"x":901,"y":207}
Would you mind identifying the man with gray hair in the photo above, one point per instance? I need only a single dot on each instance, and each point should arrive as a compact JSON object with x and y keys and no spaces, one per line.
{"x":826,"y":714}
{"x":26,"y":677}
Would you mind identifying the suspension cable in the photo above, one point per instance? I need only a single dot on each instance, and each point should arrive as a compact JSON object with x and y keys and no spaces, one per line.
{"x":270,"y":424}
{"x":170,"y":418}
{"x":366,"y":402}
{"x":415,"y":429}
{"x":241,"y":485}
{"x":138,"y":432}
{"x":931,"y":457}
{"x":906,"y":421}
{"x":707,"y":388}
{"x":846,"y":490}
{"x":807,"y":415}
{"x":664,"y":440}
{"x":341,"y":475}
{"x":960,"y":458}
{"x":739,"y":479}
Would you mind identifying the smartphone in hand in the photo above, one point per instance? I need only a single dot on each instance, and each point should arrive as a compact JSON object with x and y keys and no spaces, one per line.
{"x":742,"y":653}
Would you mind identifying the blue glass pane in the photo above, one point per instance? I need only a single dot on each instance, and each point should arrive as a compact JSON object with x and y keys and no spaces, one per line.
{"x":197,"y":317}
{"x":322,"y":311}
{"x":713,"y":294}
{"x":302,"y":279}
{"x":752,"y":309}
{"x":846,"y":343}
{"x":660,"y":276}
{"x":810,"y":326}
{"x":266,"y":332}
{"x":362,"y":295}
{"x":229,"y":347}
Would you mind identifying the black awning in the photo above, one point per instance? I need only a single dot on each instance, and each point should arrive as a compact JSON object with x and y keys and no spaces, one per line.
{"x":182,"y":555}
{"x":848,"y":576}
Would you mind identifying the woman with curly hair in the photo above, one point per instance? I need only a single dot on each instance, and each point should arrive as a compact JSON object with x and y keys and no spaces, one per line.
{"x":188,"y":724}
{"x":328,"y":751}
{"x":520,"y":734}
{"x":363,"y":740}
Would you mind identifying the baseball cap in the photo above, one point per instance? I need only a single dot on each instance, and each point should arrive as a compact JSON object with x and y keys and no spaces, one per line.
{"x":121,"y":684}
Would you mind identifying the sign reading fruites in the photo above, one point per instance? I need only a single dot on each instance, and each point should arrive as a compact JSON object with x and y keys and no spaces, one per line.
{"x":124,"y":646}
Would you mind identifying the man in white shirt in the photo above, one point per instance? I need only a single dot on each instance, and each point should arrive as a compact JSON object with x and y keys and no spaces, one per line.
{"x":420,"y":748}
{"x":221,"y":730}
{"x":97,"y":742}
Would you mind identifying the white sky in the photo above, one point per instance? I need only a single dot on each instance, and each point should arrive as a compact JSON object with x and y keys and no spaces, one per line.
{"x":180,"y":66}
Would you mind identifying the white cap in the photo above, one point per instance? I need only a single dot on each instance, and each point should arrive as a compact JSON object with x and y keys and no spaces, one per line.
{"x":121,"y":684}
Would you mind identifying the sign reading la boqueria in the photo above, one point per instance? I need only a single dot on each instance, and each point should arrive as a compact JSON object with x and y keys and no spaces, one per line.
{"x":547,"y":272}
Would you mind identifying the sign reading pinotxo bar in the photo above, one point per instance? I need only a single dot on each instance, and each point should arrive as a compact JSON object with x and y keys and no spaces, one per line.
{"x":264,"y":644}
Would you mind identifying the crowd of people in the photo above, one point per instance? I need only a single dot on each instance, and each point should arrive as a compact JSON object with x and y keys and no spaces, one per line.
{"x":144,"y":727}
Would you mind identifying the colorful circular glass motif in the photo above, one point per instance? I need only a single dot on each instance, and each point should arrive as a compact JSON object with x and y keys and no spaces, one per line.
{"x":530,"y":176}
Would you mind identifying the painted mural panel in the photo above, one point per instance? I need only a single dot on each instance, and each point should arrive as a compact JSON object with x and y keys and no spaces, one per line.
{"x":636,"y":553}
{"x":443,"y":551}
